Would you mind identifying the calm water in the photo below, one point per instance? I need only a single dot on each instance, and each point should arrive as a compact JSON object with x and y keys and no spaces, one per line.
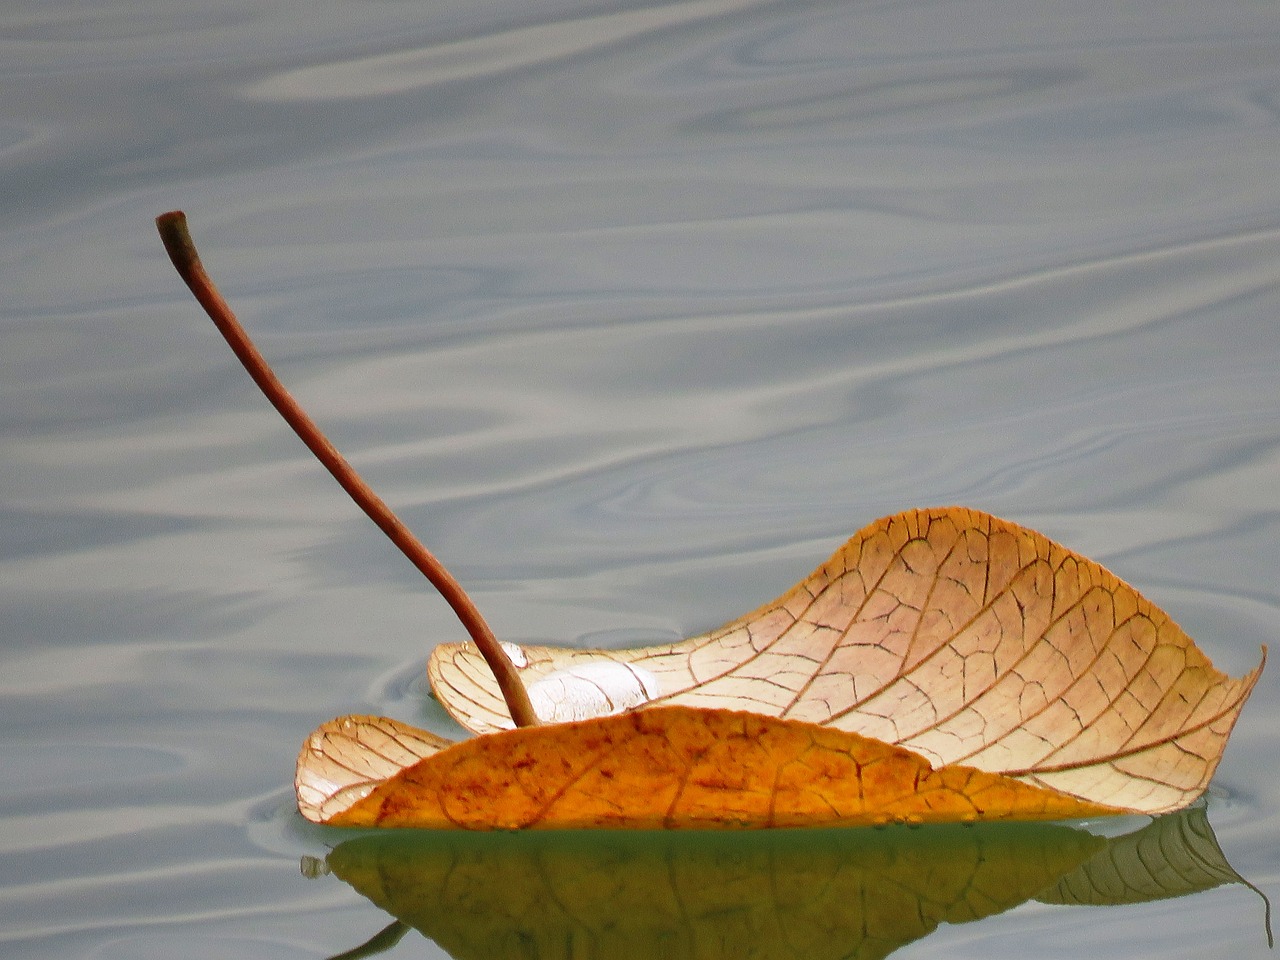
{"x":635,"y":312}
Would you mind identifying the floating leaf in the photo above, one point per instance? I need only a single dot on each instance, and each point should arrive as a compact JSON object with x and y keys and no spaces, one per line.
{"x":960,"y":636}
{"x":975,"y":643}
{"x":668,"y":767}
{"x":821,"y":894}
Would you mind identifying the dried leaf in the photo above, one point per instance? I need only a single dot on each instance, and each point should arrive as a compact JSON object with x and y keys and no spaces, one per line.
{"x":963,"y":637}
{"x":343,"y":761}
{"x":669,"y":767}
{"x":825,"y":895}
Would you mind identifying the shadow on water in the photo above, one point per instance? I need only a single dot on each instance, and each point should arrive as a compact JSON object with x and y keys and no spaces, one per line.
{"x":770,"y":894}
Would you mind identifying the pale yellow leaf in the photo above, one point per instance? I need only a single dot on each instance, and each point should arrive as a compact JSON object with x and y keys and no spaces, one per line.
{"x":963,"y":637}
{"x":345,"y":759}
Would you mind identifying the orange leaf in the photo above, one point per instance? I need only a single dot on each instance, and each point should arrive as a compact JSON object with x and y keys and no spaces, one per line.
{"x":668,"y":767}
{"x":963,"y":637}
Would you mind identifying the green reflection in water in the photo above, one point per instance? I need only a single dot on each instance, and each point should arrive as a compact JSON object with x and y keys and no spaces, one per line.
{"x":768,"y":894}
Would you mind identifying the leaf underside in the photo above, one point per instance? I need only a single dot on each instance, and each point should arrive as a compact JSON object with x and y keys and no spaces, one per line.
{"x":962,"y":637}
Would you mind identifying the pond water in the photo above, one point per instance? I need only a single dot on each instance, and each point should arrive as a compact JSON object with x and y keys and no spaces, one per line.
{"x":635,"y":312}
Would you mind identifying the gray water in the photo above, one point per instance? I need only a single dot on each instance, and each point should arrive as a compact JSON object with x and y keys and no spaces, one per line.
{"x":635,"y":313}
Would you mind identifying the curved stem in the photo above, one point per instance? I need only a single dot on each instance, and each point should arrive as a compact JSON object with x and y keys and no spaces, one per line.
{"x":182,"y":251}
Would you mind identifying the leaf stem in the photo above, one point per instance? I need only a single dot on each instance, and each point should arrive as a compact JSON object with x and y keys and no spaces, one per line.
{"x":182,"y":251}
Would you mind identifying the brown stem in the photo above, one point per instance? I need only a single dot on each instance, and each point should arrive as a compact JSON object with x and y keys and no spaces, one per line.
{"x":182,"y":251}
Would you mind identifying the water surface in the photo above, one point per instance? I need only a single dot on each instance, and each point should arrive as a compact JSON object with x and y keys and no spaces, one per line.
{"x":635,"y":312}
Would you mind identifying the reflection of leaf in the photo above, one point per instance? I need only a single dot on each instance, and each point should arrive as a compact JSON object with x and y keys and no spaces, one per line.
{"x":783,"y":894}
{"x":960,"y":636}
{"x":668,"y":767}
{"x":1172,"y":856}
{"x":380,"y":942}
